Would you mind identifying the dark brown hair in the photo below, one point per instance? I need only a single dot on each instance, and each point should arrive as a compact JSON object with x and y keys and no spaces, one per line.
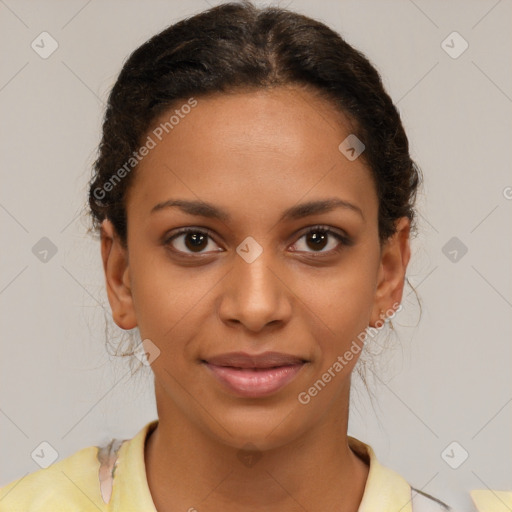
{"x":236,"y":47}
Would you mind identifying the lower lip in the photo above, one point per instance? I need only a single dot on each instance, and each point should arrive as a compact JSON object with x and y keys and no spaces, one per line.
{"x":255,"y":383}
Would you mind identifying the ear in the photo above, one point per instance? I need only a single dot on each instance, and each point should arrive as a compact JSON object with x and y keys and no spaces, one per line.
{"x":395,"y":256}
{"x":117,"y":277}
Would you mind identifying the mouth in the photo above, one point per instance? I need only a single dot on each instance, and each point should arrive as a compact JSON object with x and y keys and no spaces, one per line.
{"x":254,"y":376}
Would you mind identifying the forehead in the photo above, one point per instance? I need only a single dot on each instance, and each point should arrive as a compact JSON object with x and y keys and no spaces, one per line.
{"x":251,"y":152}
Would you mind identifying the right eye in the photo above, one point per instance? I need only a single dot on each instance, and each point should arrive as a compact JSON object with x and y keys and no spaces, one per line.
{"x":190,"y":241}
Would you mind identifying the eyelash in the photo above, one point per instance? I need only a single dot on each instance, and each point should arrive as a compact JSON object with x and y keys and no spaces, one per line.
{"x":343,"y":239}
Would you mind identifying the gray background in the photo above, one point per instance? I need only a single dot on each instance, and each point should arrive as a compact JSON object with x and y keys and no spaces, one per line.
{"x":446,"y":379}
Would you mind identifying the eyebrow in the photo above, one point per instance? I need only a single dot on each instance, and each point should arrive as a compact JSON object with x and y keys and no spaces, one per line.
{"x":203,"y":209}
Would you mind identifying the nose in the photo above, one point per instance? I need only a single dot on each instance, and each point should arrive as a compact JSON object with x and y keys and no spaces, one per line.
{"x":255,"y":294}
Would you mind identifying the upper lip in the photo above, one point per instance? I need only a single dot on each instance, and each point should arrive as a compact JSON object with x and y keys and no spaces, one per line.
{"x":264,"y":360}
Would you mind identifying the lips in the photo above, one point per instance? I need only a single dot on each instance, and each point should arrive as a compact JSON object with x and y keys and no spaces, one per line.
{"x":265,"y":360}
{"x":254,"y":375}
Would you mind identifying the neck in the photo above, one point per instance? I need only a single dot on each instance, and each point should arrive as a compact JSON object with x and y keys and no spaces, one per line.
{"x":187,"y":469}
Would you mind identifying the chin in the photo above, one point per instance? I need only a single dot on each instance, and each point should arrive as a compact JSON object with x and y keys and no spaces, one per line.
{"x":257,"y":426}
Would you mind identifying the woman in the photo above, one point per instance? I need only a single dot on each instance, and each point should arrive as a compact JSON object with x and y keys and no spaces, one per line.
{"x":255,"y":197}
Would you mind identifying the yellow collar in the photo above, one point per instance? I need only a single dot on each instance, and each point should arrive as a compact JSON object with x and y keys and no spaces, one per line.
{"x":385,"y":489}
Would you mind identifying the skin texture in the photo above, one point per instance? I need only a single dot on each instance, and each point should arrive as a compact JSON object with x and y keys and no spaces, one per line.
{"x":253,"y":154}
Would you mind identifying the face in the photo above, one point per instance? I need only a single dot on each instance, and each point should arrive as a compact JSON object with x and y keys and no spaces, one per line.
{"x":282,"y":255}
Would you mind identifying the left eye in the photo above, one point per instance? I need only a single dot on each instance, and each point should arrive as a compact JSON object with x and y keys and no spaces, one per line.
{"x":317,"y":238}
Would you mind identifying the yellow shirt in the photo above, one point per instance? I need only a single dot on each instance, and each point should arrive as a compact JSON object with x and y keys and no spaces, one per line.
{"x":487,"y":500}
{"x":99,"y":479}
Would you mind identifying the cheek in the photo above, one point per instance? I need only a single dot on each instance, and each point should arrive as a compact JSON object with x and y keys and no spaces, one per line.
{"x":165,"y":296}
{"x":340,"y":305}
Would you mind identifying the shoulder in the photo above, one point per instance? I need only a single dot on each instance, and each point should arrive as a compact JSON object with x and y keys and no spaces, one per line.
{"x":71,"y":484}
{"x":387,"y":491}
{"x":488,"y":500}
{"x":84,"y":481}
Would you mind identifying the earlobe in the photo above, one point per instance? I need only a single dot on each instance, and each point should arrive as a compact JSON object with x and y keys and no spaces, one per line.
{"x":395,"y":257}
{"x":117,"y":277}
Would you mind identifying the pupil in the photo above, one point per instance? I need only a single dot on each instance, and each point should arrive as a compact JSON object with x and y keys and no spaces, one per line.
{"x":318,"y":239}
{"x":196,"y":238}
